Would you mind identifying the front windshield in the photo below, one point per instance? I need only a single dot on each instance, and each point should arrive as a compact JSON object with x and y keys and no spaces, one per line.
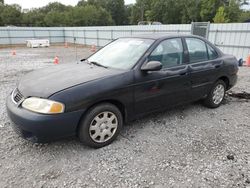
{"x":122,"y":53}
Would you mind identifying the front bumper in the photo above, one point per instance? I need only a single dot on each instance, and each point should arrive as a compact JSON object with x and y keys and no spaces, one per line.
{"x":42,"y":128}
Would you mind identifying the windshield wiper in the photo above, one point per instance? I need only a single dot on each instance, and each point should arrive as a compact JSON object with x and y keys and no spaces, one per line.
{"x":97,"y":64}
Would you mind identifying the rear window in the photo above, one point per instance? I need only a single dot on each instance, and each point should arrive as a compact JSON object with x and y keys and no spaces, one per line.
{"x":212,"y":54}
{"x":197,"y":50}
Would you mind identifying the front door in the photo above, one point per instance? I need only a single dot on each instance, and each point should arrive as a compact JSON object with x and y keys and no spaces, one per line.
{"x":169,"y":86}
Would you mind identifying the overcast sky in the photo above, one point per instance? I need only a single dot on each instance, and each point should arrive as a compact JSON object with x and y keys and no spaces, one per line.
{"x":39,"y":3}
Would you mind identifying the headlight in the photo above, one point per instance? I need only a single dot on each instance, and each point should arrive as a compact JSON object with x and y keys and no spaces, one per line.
{"x":43,"y":106}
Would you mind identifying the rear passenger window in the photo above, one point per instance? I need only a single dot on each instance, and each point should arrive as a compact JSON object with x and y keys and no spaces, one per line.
{"x":197,"y":50}
{"x":169,"y":53}
{"x":212,"y":54}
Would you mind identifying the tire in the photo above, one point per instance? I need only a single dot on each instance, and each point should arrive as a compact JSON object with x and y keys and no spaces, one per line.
{"x":219,"y":89}
{"x":100,"y":126}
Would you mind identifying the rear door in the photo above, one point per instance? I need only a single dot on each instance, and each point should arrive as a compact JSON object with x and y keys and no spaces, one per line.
{"x":167,"y":87}
{"x":204,"y":66}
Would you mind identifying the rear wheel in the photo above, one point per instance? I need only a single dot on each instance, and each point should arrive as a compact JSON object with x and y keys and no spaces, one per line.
{"x":100,"y":126}
{"x":216,"y":95}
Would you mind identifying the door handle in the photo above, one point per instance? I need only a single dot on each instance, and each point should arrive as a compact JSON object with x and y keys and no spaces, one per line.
{"x":183,"y":74}
{"x":217,"y":66}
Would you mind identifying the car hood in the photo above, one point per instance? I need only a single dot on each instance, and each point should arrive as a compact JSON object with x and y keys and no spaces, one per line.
{"x":47,"y":81}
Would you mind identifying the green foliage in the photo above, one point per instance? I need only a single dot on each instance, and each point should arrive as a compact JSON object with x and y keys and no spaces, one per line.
{"x":89,"y":15}
{"x":233,"y":11}
{"x":116,"y":8}
{"x":128,"y":13}
{"x":51,"y":7}
{"x":81,"y":3}
{"x":55,"y":19}
{"x":245,"y":15}
{"x":191,"y":11}
{"x":179,"y":11}
{"x":97,"y":3}
{"x":11,"y":14}
{"x":209,"y":8}
{"x":166,"y":11}
{"x":141,"y":11}
{"x":115,"y":12}
{"x":220,"y":16}
{"x":1,"y":10}
{"x":34,"y":18}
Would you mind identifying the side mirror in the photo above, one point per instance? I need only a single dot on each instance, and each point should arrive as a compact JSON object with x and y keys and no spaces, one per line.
{"x":152,"y":66}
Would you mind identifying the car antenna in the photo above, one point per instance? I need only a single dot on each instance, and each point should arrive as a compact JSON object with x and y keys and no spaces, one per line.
{"x":75,"y":49}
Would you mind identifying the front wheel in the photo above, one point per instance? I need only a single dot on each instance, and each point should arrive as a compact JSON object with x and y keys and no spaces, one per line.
{"x":216,"y":95}
{"x":100,"y":126}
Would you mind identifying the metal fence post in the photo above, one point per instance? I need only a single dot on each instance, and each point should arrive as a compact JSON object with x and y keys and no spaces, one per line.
{"x":192,"y":28}
{"x":64,"y":35}
{"x":97,"y":37}
{"x":49,"y":36}
{"x":112,"y":35}
{"x":34,"y":34}
{"x":84,"y":37}
{"x":208,"y":30}
{"x":9,"y":36}
{"x":215,"y":37}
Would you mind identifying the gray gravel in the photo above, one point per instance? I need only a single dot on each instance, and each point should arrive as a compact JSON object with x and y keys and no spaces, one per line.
{"x":189,"y":146}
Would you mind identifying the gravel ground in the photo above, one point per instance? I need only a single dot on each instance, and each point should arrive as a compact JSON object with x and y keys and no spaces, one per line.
{"x":189,"y":146}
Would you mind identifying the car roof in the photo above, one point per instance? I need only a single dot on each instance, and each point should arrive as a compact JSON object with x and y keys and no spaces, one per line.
{"x":157,"y":36}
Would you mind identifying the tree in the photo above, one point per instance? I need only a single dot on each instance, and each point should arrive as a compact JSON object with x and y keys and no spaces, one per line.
{"x":166,"y":11}
{"x":190,"y":11}
{"x":233,"y":11}
{"x":141,"y":11}
{"x":209,"y":8}
{"x":115,"y":7}
{"x":1,"y":10}
{"x":81,"y":3}
{"x":55,"y":19}
{"x":97,"y":3}
{"x":34,"y":17}
{"x":55,"y":7}
{"x":109,"y":12}
{"x":128,"y":13}
{"x":220,"y":16}
{"x":244,"y":16}
{"x":135,"y":15}
{"x":89,"y":15}
{"x":11,"y":15}
{"x":117,"y":10}
{"x":54,"y":14}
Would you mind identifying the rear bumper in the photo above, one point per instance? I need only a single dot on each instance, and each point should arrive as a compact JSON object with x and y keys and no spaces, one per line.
{"x":42,"y":128}
{"x":232,"y":81}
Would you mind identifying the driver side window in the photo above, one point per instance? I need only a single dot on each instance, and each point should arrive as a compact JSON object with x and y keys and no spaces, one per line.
{"x":169,"y":53}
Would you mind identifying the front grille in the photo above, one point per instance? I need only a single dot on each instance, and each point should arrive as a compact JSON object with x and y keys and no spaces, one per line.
{"x":17,"y":97}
